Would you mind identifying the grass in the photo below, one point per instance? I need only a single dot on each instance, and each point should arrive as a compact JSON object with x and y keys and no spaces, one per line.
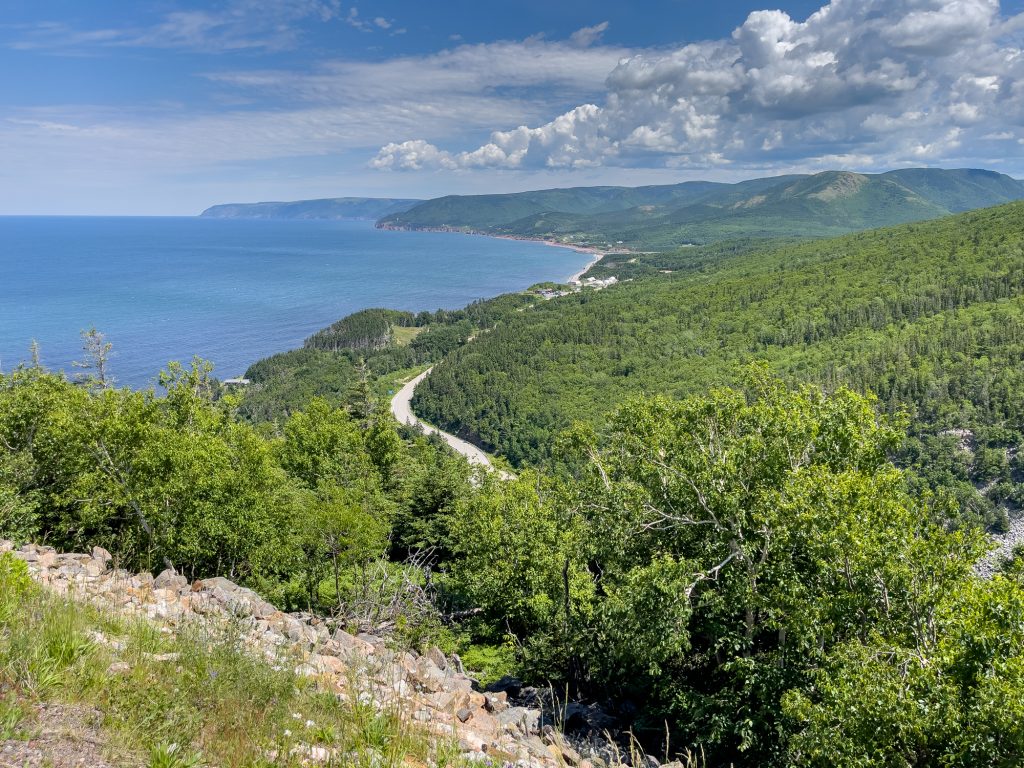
{"x":195,"y":698}
{"x":404,"y":335}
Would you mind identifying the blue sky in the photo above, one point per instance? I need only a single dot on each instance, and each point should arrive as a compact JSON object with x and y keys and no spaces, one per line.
{"x":166,"y":107}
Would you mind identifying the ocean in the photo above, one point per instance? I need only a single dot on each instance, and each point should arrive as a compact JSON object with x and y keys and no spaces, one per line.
{"x":231,"y":291}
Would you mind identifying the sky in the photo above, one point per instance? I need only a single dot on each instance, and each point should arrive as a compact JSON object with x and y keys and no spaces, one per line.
{"x":164,"y":107}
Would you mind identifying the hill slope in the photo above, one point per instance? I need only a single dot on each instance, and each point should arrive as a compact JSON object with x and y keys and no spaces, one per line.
{"x":930,"y":316}
{"x":825,"y":204}
{"x":329,"y":208}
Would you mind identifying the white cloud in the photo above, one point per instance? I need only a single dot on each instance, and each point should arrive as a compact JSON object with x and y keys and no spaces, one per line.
{"x":237,"y":25}
{"x":530,"y":76}
{"x":877,"y":82}
{"x":587,"y":36}
{"x":314,"y":117}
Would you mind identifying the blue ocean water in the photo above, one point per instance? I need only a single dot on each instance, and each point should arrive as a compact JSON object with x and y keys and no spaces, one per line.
{"x":231,"y":291}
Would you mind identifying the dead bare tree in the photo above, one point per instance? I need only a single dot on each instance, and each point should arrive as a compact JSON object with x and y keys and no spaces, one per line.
{"x":97,"y":350}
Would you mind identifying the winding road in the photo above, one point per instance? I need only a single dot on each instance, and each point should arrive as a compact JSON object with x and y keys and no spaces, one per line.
{"x":401,"y":409}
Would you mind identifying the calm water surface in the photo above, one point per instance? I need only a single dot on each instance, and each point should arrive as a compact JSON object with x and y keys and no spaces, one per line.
{"x":231,"y":291}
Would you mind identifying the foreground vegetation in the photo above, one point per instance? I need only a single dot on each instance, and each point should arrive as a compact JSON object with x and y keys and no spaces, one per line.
{"x":177,"y":701}
{"x":745,"y":569}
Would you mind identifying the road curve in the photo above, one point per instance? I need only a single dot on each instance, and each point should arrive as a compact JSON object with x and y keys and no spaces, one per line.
{"x":401,"y":409}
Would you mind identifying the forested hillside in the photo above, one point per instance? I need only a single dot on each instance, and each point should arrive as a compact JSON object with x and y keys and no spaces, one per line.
{"x":928,"y":316}
{"x":663,"y":217}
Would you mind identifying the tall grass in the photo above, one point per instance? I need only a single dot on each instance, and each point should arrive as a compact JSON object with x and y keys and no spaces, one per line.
{"x":188,"y":699}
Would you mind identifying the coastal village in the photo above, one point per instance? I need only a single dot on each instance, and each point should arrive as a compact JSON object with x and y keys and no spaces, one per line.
{"x":575,"y":286}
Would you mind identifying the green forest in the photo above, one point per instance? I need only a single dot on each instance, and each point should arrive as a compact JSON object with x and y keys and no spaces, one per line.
{"x":929,"y":317}
{"x":754,"y":482}
{"x":663,"y":217}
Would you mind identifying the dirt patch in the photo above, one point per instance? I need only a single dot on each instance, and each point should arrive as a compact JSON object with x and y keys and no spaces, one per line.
{"x":60,"y":736}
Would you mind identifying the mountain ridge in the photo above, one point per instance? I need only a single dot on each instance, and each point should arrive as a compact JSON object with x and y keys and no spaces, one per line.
{"x":659,"y":217}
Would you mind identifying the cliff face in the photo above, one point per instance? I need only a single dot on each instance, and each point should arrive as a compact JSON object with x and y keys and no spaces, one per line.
{"x":430,"y":689}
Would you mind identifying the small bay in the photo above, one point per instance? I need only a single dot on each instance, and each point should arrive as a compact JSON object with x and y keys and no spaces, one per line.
{"x":231,"y":291}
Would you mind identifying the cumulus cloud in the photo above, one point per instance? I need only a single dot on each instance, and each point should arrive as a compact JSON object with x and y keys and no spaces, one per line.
{"x":877,"y":82}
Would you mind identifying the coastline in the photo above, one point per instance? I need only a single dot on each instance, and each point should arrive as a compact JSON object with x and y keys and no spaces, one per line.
{"x":596,"y":253}
{"x":577,"y":276}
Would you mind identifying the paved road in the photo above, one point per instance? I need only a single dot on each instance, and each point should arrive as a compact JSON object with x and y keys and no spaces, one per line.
{"x":402,"y":410}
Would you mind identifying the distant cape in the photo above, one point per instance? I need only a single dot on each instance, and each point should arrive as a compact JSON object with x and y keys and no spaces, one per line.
{"x":340,"y":208}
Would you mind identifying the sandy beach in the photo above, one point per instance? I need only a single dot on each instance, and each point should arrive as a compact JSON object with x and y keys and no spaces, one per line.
{"x":575,"y":277}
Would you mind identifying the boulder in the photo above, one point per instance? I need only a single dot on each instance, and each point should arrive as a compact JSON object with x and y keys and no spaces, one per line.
{"x":496,"y":702}
{"x":437,"y":656}
{"x":429,"y":677}
{"x":170,"y":579}
{"x":328,"y":664}
{"x":46,"y":559}
{"x":519,"y":720}
{"x":99,"y":553}
{"x":511,"y":686}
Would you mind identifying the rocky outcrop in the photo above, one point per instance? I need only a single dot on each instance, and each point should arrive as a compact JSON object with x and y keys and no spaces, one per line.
{"x":430,"y":688}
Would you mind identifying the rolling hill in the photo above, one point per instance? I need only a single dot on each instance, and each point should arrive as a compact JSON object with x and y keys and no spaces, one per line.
{"x":663,"y":217}
{"x":928,"y":315}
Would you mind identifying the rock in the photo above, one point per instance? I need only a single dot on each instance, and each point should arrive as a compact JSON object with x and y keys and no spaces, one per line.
{"x":520,"y":718}
{"x":217,"y":582}
{"x":457,"y":663}
{"x":170,"y":579}
{"x":470,"y":742}
{"x":537,"y":748}
{"x":437,"y":656}
{"x":510,"y":686}
{"x":429,"y":676}
{"x":119,"y":668}
{"x":496,"y":702}
{"x":431,"y":689}
{"x":584,"y":718}
{"x":46,"y":559}
{"x":559,"y":747}
{"x":328,"y":664}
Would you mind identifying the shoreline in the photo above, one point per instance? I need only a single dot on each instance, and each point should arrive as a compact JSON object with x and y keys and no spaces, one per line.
{"x":577,"y":276}
{"x":596,"y":254}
